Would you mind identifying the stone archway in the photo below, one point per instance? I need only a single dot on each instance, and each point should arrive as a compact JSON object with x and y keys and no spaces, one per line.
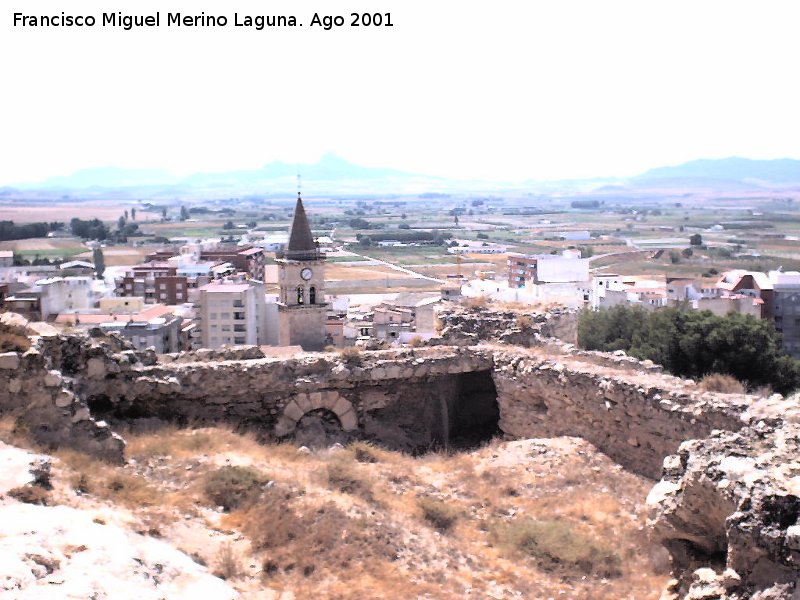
{"x":304,"y":403}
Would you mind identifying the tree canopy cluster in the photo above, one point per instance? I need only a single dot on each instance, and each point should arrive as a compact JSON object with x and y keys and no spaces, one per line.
{"x":94,"y":229}
{"x":11,"y":231}
{"x":694,"y":343}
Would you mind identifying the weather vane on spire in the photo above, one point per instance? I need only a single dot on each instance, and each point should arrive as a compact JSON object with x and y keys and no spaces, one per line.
{"x":298,"y":185}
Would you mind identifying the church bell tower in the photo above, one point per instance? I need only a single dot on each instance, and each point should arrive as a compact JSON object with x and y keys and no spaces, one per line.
{"x":302,"y":310}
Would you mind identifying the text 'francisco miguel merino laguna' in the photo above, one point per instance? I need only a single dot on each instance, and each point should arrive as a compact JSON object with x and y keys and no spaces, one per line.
{"x":258,"y":22}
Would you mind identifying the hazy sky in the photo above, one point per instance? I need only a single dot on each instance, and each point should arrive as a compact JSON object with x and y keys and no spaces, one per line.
{"x":462,"y":88}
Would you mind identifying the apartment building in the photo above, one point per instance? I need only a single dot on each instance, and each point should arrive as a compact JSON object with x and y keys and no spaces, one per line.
{"x":164,"y":334}
{"x":786,"y":309}
{"x":245,"y":259}
{"x":232,"y":313}
{"x":156,"y":282}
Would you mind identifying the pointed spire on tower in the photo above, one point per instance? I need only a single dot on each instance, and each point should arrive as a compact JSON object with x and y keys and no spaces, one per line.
{"x":301,"y":244}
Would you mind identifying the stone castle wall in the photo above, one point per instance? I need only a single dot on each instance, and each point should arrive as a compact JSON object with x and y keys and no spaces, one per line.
{"x":637,"y":419}
{"x":42,"y":402}
{"x":727,"y":504}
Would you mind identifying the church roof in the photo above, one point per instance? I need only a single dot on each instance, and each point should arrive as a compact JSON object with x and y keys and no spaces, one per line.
{"x":301,"y":244}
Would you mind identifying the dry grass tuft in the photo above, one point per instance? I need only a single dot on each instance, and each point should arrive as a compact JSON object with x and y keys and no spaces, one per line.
{"x":13,"y":338}
{"x":30,"y":494}
{"x":524,"y":321}
{"x":351,"y":356}
{"x":364,"y":452}
{"x":232,"y":486}
{"x":317,"y":541}
{"x":416,"y":341}
{"x":441,"y":515}
{"x":15,"y":432}
{"x":476,"y":302}
{"x":558,"y":546}
{"x":227,"y":563}
{"x":719,"y":382}
{"x":345,"y":477}
{"x":92,"y":476}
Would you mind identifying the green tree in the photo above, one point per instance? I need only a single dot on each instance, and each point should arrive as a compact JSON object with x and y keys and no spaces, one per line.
{"x":694,"y":343}
{"x":99,"y":262}
{"x":184,"y":213}
{"x":133,"y":214}
{"x":696,"y":239}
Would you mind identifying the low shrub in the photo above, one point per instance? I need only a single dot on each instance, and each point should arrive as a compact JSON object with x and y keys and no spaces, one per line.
{"x":13,"y":338}
{"x":351,"y":355}
{"x":233,"y":486}
{"x":441,"y":515}
{"x":30,"y":494}
{"x":416,"y":341}
{"x":719,"y":382}
{"x":363,"y":452}
{"x":314,"y":540}
{"x":345,"y":477}
{"x":524,"y":321}
{"x":227,"y":563}
{"x":476,"y":302}
{"x":557,"y":546}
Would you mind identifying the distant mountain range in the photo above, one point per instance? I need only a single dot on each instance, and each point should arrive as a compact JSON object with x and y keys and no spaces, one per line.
{"x":778,"y":171}
{"x":335,"y":175}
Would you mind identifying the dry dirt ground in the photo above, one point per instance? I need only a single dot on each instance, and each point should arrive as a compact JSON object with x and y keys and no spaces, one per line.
{"x":108,"y":210}
{"x":517,"y":519}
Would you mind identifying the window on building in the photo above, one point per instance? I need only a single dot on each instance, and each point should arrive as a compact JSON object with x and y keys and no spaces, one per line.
{"x":300,"y":294}
{"x":312,"y":295}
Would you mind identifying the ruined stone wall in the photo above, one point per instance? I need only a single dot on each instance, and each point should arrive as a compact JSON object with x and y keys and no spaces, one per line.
{"x":41,"y":401}
{"x":727,"y":509}
{"x":398,"y":397}
{"x":727,"y":506}
{"x":466,"y":326}
{"x":637,"y":419}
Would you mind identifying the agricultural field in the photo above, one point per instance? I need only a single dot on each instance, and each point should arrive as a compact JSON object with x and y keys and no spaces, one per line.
{"x":758,"y":232}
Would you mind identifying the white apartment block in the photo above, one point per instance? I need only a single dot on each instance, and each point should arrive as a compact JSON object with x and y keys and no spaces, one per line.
{"x":232,"y":314}
{"x":66,"y":294}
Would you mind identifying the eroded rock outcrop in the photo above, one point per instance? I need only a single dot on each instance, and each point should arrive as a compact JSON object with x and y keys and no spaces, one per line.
{"x":728,"y":505}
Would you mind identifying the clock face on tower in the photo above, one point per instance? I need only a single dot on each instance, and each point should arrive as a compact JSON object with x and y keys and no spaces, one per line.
{"x":306,"y":273}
